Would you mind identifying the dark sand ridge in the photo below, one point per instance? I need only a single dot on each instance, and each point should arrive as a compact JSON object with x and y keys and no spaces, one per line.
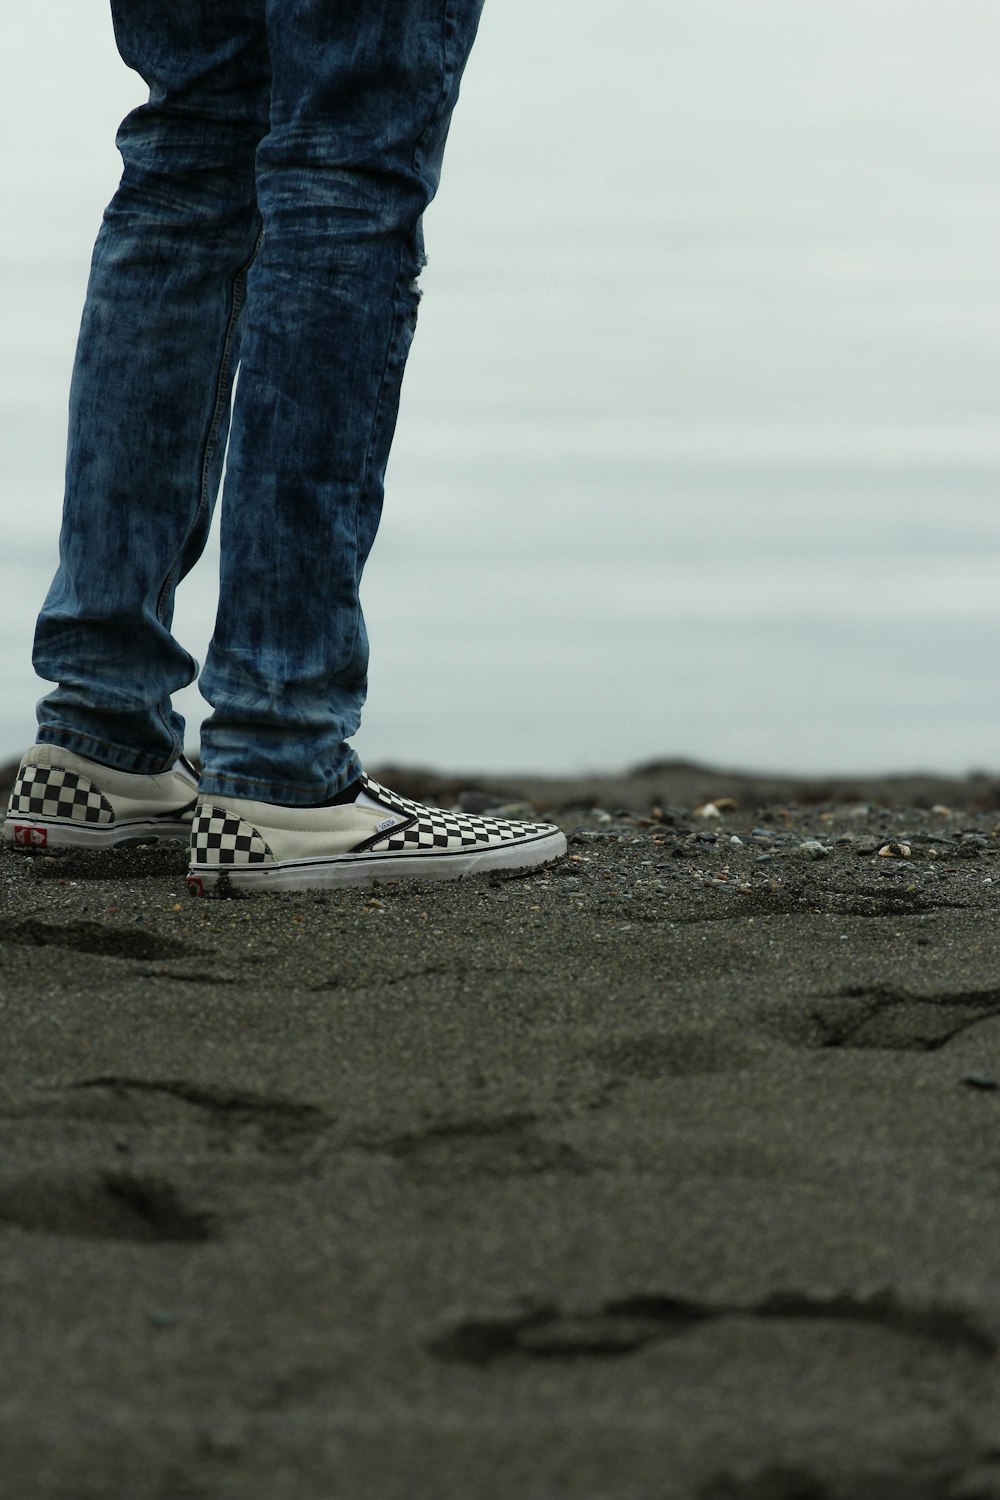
{"x":621,"y":1181}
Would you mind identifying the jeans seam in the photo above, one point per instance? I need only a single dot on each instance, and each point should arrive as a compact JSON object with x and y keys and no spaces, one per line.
{"x":399,"y":312}
{"x":223,"y":391}
{"x":238,"y":293}
{"x":434,"y":116}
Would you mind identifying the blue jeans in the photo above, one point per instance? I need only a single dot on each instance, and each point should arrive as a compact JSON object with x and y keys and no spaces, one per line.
{"x":268,"y":218}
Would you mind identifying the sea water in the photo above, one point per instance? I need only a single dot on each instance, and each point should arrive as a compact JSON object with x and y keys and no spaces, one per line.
{"x":698,"y":453}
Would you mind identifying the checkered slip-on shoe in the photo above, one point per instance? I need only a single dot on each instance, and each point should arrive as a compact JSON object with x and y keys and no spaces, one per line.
{"x":62,"y":801}
{"x":256,"y":846}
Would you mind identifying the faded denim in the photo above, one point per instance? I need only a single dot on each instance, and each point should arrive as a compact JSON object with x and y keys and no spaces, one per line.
{"x":268,"y":218}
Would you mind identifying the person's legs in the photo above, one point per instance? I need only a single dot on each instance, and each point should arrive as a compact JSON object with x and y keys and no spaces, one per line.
{"x":149,"y":408}
{"x":362,"y":95}
{"x":359,"y":108}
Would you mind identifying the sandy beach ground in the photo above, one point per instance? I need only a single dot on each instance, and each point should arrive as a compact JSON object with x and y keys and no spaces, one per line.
{"x":670,"y":1173}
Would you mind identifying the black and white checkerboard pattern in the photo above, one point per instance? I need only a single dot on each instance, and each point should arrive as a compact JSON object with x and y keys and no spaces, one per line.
{"x":434,"y":828}
{"x":50,"y":792}
{"x":220,"y":838}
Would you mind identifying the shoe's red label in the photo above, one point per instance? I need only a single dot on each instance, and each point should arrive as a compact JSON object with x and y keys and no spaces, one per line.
{"x":28,"y":837}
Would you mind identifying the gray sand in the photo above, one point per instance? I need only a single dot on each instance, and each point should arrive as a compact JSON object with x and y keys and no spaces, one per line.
{"x":603,"y":1183}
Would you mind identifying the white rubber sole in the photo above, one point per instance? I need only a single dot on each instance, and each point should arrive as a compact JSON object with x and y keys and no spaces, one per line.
{"x":363,"y":869}
{"x":53,"y":835}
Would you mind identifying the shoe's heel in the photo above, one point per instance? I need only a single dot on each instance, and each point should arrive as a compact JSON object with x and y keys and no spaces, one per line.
{"x":27,"y":838}
{"x":52,"y":808}
{"x":222,"y":847}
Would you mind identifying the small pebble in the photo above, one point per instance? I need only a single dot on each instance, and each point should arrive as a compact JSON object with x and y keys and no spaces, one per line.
{"x":521,"y":810}
{"x":984,"y":1081}
{"x":895,"y":851}
{"x":476,"y":802}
